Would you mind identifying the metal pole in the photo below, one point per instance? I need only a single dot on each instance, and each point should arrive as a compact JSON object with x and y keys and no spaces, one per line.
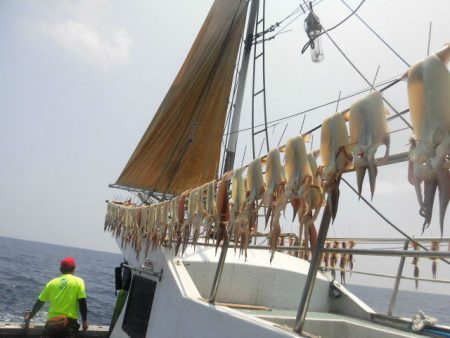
{"x":313,"y":267}
{"x":397,"y":280}
{"x":232,"y":141}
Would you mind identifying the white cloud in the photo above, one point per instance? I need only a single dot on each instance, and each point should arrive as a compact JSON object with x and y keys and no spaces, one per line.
{"x":81,"y":29}
{"x":85,"y":41}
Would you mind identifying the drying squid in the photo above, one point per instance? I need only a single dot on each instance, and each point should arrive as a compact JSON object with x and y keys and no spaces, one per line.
{"x":223,"y":211}
{"x":157,"y":229}
{"x":415,"y":262}
{"x":343,"y":263}
{"x":211,"y":210}
{"x":237,"y":202}
{"x":189,"y":217}
{"x":334,"y":259}
{"x":429,"y":102}
{"x":315,"y":200}
{"x":173,"y":223}
{"x":165,"y":221}
{"x":298,"y":175}
{"x":335,"y":155}
{"x":150,"y":225}
{"x":274,"y":196}
{"x":368,"y":130}
{"x":180,"y":222}
{"x":351,"y":245}
{"x":255,"y":190}
{"x":199,"y":214}
{"x":434,"y":247}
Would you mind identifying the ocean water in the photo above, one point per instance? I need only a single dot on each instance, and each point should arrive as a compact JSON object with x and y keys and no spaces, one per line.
{"x":26,"y":266}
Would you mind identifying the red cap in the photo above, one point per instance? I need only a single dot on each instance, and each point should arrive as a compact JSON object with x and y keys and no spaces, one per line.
{"x":68,"y":263}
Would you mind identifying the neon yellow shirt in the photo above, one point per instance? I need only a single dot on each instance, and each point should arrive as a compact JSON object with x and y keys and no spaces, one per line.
{"x":63,"y":293}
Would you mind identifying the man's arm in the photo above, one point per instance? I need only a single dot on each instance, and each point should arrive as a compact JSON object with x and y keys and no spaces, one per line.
{"x":83,"y":311}
{"x":37,"y":306}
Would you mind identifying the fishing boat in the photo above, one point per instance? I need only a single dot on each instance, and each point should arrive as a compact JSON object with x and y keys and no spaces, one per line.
{"x":195,"y":207}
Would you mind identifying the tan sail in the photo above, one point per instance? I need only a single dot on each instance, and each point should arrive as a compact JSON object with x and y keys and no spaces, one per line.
{"x":181,"y":147}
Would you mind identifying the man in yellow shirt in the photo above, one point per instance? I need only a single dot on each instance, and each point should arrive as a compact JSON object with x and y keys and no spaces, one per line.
{"x":67,"y":296}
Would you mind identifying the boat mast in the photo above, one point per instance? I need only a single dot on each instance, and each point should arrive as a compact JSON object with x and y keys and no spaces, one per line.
{"x":232,"y":140}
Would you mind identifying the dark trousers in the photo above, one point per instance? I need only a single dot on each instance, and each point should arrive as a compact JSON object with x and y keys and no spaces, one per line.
{"x":69,"y":331}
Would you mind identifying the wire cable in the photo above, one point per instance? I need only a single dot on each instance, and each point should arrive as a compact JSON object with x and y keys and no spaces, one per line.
{"x":377,"y":35}
{"x":360,"y":73}
{"x":388,"y":221}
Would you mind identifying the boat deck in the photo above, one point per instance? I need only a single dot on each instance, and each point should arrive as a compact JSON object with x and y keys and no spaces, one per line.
{"x":345,"y":325}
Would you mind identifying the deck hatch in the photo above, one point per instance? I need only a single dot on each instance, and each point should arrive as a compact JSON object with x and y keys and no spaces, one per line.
{"x":139,"y":306}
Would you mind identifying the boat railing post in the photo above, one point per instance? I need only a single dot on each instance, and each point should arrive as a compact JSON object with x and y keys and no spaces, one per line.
{"x":219,"y":270}
{"x":397,"y":279}
{"x":313,"y":267}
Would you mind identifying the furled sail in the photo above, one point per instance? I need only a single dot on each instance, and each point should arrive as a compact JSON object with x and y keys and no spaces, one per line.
{"x":181,"y":147}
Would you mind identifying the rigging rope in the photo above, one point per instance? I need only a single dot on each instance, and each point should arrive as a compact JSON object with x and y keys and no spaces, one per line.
{"x":377,"y":35}
{"x":361,"y":74}
{"x":388,"y":221}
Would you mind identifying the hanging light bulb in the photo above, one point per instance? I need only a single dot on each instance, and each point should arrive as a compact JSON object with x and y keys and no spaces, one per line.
{"x":313,"y":29}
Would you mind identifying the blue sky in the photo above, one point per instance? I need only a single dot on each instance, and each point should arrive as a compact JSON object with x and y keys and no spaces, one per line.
{"x":80,"y":82}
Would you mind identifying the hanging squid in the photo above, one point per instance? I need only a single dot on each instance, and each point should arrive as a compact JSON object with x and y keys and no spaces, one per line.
{"x":351,"y":245}
{"x":298,"y":181}
{"x":180,"y":222}
{"x":335,"y":155}
{"x":415,"y":262}
{"x":316,"y":201}
{"x":173,"y":223}
{"x":199,"y":214}
{"x":429,"y":103}
{"x":298,"y":175}
{"x":434,"y":247}
{"x":165,"y":221}
{"x":223,"y":211}
{"x":211,"y":211}
{"x":368,"y":130}
{"x":151,"y":213}
{"x":334,"y":259}
{"x":343,"y":263}
{"x":189,"y":217}
{"x":274,"y":196}
{"x":237,"y":203}
{"x":255,"y":191}
{"x":159,"y":225}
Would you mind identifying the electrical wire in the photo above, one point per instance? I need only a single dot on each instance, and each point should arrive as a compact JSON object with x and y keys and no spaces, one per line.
{"x":276,"y":121}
